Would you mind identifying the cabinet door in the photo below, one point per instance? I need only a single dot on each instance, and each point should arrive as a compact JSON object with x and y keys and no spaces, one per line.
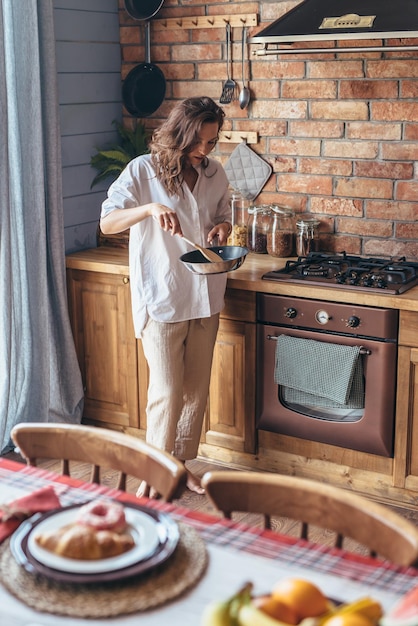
{"x":413,"y":412}
{"x":230,"y":418}
{"x":406,"y":436}
{"x":101,"y":319}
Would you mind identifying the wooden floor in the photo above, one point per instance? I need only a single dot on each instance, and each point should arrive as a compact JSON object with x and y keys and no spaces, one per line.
{"x":200,"y":502}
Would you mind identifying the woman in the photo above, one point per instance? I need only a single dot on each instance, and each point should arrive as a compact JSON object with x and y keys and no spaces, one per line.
{"x":176,"y":189}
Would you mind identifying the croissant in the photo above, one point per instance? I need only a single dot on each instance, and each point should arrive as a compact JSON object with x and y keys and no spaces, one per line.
{"x":76,"y":541}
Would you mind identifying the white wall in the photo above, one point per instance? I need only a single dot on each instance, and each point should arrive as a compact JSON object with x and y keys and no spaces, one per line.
{"x":89,"y":85}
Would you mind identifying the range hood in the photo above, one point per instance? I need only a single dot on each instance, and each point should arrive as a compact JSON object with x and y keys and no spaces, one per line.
{"x":333,"y":20}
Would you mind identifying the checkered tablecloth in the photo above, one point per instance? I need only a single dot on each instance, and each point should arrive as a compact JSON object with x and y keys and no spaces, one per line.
{"x":17,"y":479}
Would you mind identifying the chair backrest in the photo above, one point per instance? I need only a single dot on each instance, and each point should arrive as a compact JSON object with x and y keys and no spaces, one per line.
{"x":102,"y":448}
{"x":382,"y":531}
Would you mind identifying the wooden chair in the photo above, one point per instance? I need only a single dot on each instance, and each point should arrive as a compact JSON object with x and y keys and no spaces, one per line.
{"x":102,"y":448}
{"x":382,"y":531}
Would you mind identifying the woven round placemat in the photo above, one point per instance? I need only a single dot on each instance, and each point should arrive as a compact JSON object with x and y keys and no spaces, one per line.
{"x":179,"y":573}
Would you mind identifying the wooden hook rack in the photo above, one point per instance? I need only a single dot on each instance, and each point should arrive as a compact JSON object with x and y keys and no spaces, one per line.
{"x":236,"y":136}
{"x":205,"y":21}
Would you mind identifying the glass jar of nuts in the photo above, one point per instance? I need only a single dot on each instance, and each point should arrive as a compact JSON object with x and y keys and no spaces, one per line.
{"x":239,"y":216}
{"x":280,"y":237}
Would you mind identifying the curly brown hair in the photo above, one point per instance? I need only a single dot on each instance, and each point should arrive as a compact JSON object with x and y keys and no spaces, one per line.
{"x":177,"y":136}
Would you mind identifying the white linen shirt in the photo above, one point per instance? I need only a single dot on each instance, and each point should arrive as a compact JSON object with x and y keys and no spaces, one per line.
{"x":161,"y":286}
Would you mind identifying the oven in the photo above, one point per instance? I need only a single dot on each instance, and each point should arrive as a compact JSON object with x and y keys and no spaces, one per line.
{"x":327,"y":370}
{"x":346,"y":352}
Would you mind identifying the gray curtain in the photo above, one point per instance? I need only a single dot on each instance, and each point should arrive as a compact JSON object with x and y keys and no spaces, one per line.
{"x":39,"y":375}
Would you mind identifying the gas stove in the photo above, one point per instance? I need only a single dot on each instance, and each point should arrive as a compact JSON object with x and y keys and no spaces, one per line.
{"x":390,"y":275}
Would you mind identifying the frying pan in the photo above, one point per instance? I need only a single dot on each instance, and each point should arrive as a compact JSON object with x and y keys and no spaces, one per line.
{"x":231,"y":258}
{"x":143,"y":9}
{"x":143,"y":89}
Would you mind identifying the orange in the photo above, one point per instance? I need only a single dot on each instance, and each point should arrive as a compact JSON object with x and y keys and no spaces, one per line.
{"x":302,"y":596}
{"x":348,"y":619}
{"x":276,"y":609}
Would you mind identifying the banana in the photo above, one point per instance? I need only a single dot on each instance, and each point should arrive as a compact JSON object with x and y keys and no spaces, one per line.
{"x":224,"y":613}
{"x":365,"y":606}
{"x":250,"y":615}
{"x":216,"y":614}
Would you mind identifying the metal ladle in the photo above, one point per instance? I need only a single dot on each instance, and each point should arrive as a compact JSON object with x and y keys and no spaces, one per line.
{"x":245,"y":95}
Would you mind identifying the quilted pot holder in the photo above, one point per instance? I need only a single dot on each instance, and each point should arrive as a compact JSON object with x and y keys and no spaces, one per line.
{"x":246,"y":171}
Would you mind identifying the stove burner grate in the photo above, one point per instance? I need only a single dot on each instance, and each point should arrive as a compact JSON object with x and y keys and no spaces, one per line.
{"x":350,"y":271}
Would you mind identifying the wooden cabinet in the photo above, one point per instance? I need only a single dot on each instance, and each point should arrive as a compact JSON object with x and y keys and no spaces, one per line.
{"x":230,"y":414}
{"x":115,"y":372}
{"x":407,"y":409}
{"x":101,"y":319}
{"x":229,"y":421}
{"x":115,"y":376}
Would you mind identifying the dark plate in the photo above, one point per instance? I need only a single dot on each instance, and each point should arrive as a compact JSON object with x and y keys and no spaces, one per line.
{"x":19,"y":548}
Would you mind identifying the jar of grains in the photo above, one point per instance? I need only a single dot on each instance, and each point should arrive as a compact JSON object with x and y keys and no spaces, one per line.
{"x":259,"y":222}
{"x":281,"y":233}
{"x":239,"y":218}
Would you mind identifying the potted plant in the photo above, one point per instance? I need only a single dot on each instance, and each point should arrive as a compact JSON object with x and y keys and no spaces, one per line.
{"x":111,"y":160}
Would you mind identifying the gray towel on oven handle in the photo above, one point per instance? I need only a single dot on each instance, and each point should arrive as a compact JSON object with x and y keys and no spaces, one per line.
{"x":355,"y":400}
{"x":315,"y":367}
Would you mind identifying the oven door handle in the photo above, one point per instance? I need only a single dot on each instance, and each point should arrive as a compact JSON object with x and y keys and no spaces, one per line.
{"x":365,"y":351}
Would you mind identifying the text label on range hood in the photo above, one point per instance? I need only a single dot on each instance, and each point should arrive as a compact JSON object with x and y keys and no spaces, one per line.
{"x":351,"y":20}
{"x":332,"y":20}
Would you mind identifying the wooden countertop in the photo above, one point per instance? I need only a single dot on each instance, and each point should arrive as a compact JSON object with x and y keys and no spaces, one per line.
{"x":248,"y":278}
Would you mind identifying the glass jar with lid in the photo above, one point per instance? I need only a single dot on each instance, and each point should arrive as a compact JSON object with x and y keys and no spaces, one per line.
{"x":307,"y":236}
{"x":280,"y":237}
{"x":239,"y":218}
{"x":259,"y":222}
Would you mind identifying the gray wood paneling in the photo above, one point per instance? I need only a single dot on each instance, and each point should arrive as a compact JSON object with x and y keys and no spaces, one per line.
{"x":77,"y":149}
{"x":89,"y":86}
{"x":95,"y":117}
{"x":88,"y":56}
{"x":80,"y":237}
{"x":71,"y":25}
{"x":78,"y":207}
{"x":105,"y":6}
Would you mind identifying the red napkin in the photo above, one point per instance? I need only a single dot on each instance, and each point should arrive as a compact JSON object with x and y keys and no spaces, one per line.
{"x":13,"y":513}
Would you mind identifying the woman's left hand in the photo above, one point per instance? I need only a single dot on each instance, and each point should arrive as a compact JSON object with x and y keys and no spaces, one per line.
{"x":222,"y":231}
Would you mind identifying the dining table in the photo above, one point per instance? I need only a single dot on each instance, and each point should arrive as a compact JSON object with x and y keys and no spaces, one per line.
{"x":215,"y":558}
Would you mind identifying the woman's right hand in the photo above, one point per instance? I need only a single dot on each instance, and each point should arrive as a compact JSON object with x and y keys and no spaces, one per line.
{"x":166,"y":218}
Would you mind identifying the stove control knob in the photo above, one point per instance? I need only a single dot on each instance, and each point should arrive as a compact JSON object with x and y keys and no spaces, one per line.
{"x":290,"y":313}
{"x":353,"y":321}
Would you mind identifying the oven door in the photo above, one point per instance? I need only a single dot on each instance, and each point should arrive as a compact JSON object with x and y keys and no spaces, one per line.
{"x":369,"y":429}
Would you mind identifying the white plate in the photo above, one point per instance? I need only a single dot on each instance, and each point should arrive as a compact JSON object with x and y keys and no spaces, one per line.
{"x":147,"y":533}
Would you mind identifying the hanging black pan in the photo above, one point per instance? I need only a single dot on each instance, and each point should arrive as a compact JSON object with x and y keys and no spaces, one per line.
{"x":144,"y":87}
{"x":143,"y":9}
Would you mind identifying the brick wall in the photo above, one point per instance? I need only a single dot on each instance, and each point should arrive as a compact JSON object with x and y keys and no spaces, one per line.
{"x":340,"y":130}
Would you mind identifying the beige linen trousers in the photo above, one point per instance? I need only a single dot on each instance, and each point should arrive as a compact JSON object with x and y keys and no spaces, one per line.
{"x":179,"y":356}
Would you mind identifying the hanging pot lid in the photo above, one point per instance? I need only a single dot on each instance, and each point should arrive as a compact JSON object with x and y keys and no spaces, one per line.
{"x":143,"y":9}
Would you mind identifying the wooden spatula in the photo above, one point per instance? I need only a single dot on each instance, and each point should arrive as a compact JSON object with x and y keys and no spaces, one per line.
{"x":210,"y":255}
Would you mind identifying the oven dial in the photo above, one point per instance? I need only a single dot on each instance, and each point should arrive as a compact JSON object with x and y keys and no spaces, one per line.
{"x":322,"y":317}
{"x":353,"y":321}
{"x":290,"y":312}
